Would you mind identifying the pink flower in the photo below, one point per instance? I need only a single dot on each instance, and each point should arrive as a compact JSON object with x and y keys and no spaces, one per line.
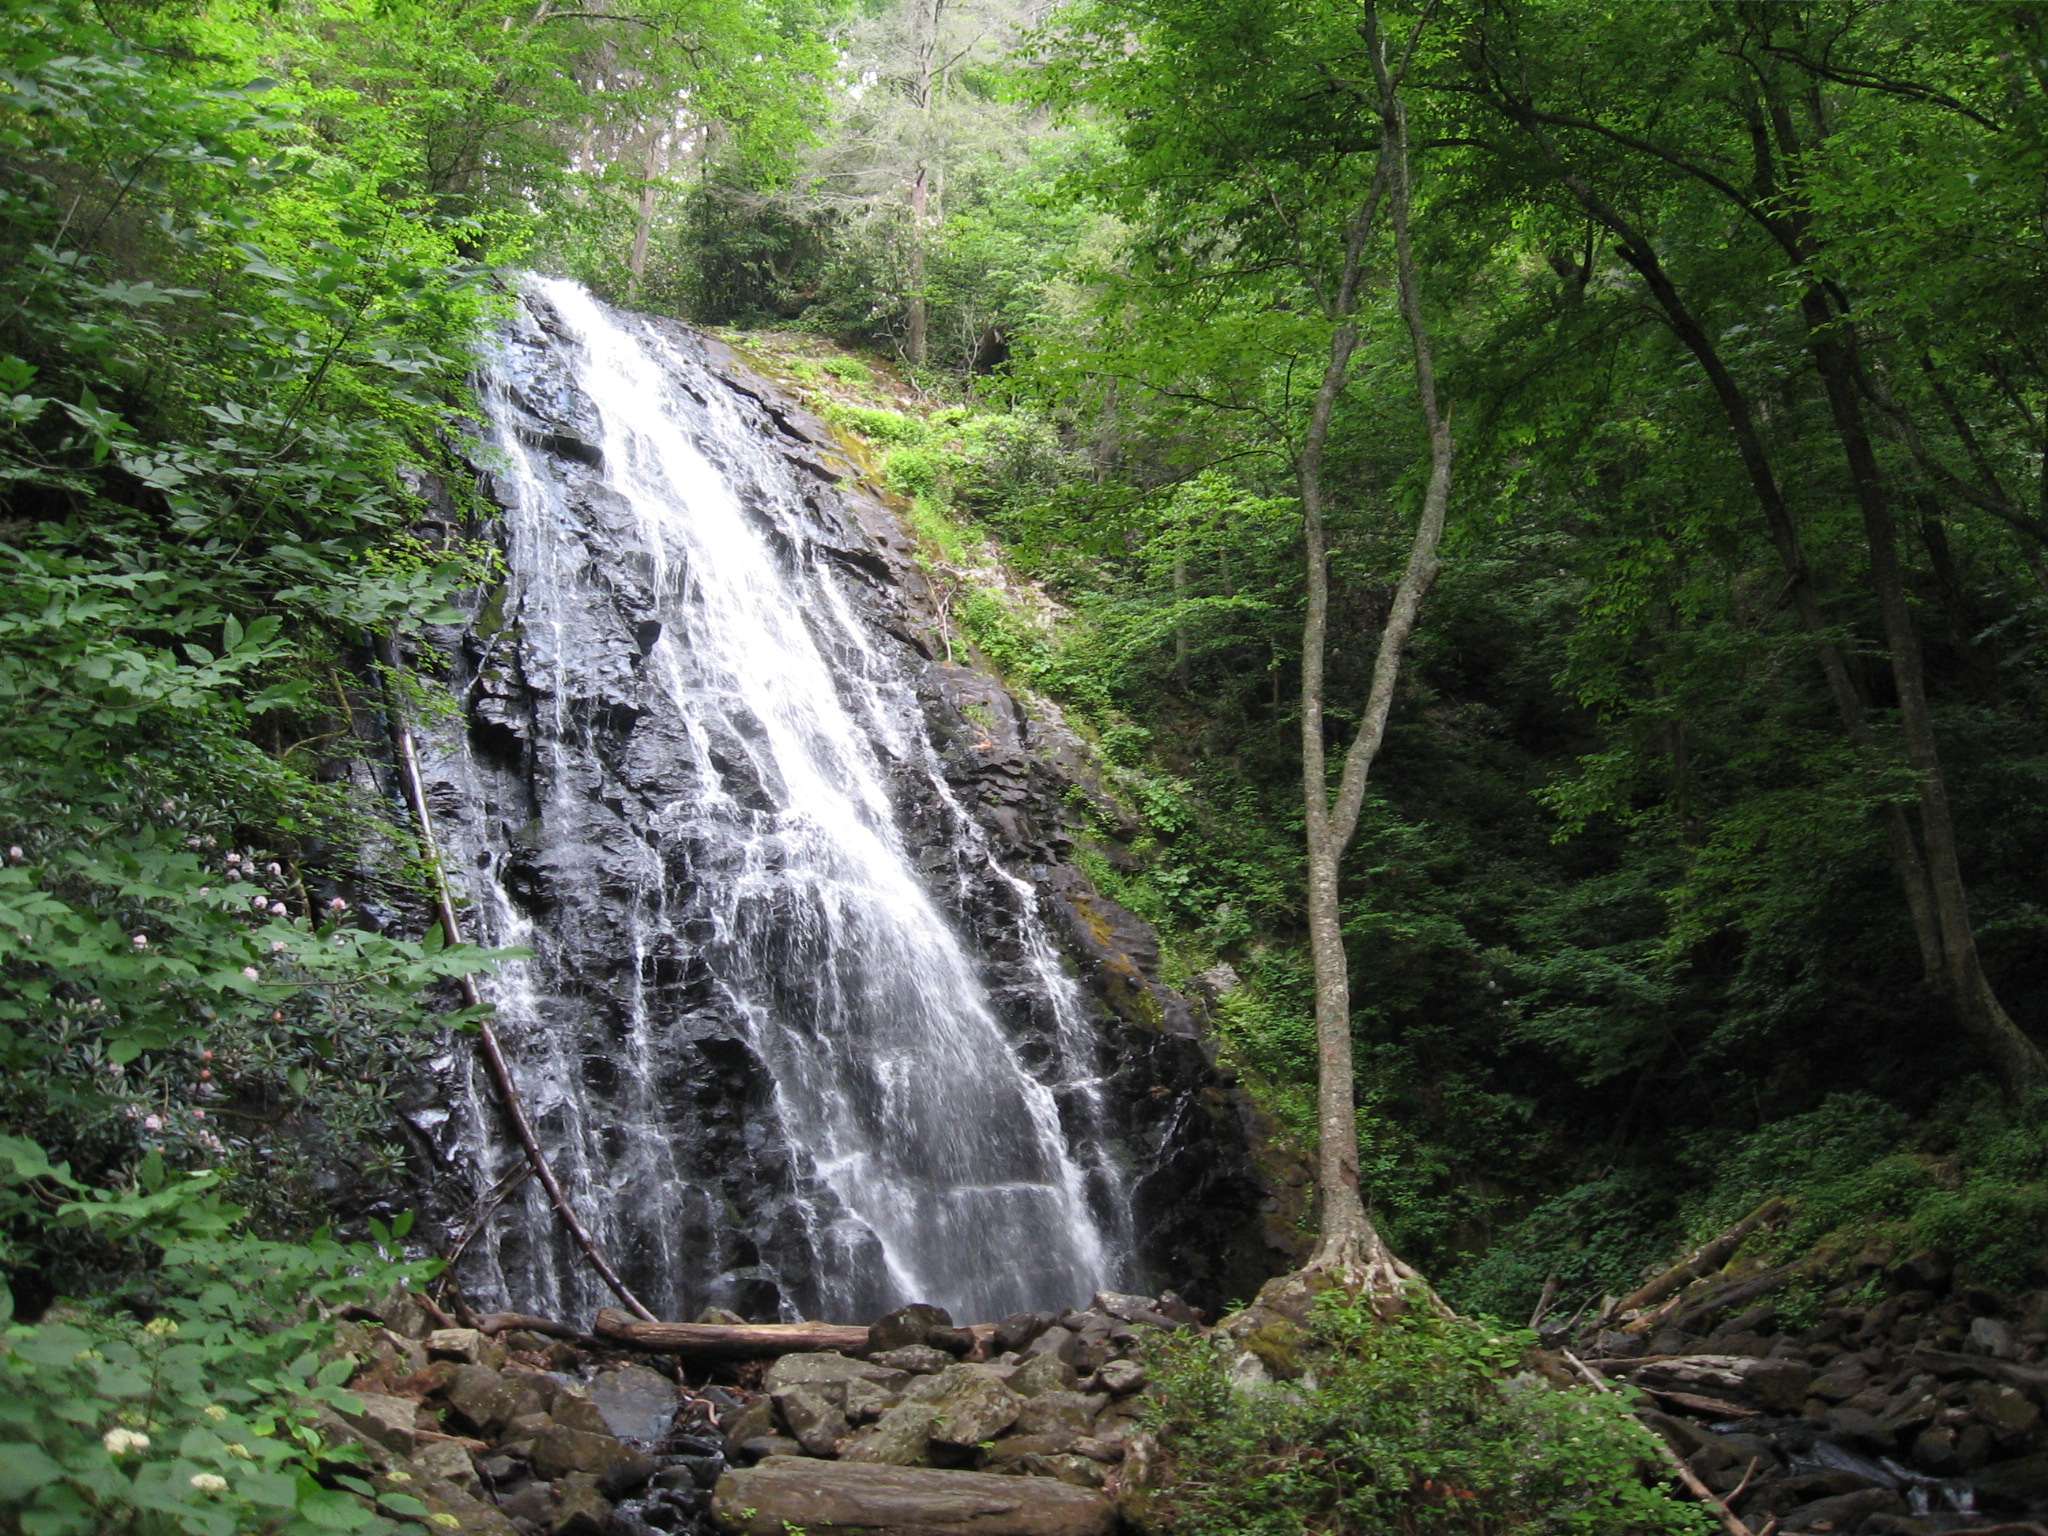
{"x":252,"y":973}
{"x":337,"y":905}
{"x":258,"y":902}
{"x":198,"y":1114}
{"x":14,"y":852}
{"x":142,"y":941}
{"x":277,"y":909}
{"x":152,"y":1122}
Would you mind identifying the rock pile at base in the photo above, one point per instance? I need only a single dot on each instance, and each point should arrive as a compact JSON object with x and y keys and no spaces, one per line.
{"x":1910,"y":1414}
{"x":1021,"y":1428}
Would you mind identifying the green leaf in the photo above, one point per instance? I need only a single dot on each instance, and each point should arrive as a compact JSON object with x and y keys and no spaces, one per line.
{"x":24,"y":1469}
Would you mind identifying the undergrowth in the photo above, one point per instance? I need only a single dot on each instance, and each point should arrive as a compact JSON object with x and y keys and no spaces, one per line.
{"x":1423,"y":1425}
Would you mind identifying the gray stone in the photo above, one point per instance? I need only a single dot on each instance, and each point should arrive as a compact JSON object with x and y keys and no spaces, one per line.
{"x":1019,"y":1329}
{"x":1054,"y":1341}
{"x":387,"y":1420}
{"x":867,"y":1401}
{"x":906,"y":1326}
{"x":954,"y":1341}
{"x":1043,"y":1373}
{"x":900,"y":1438}
{"x":487,"y":1401}
{"x":822,"y":1497}
{"x":755,"y":1420}
{"x":449,"y":1462}
{"x":1780,"y":1384}
{"x":466,"y":1346}
{"x":813,"y":1418}
{"x":638,"y":1404}
{"x":761,"y":1447}
{"x":918,"y":1359}
{"x":1054,"y":1413}
{"x":574,"y":1410}
{"x":831,"y":1372}
{"x":580,"y":1510}
{"x":617,"y":1467}
{"x":1119,"y":1377}
{"x":2007,"y":1412}
{"x":1845,"y":1511}
{"x":1990,"y":1336}
{"x":1006,"y":1454}
{"x":974,"y":1410}
{"x":1863,"y":1430}
{"x":1095,"y":1449}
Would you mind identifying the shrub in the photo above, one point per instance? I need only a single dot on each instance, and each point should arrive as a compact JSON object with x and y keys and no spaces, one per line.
{"x":1423,"y":1425}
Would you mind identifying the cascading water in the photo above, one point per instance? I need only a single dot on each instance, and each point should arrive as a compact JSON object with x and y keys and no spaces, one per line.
{"x":768,"y":1064}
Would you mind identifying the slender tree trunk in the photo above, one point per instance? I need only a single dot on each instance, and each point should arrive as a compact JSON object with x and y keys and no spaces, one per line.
{"x":2021,"y":1067}
{"x":916,"y":345}
{"x":1349,"y":1246}
{"x":1848,"y":699}
{"x":643,"y":225}
{"x":917,"y":324}
{"x":1180,"y":627}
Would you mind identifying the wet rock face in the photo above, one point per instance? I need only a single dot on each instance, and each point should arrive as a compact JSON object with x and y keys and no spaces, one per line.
{"x":646,"y":1071}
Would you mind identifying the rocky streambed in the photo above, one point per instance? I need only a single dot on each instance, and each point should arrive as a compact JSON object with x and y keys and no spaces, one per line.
{"x":1022,"y":1428}
{"x":1911,"y":1404}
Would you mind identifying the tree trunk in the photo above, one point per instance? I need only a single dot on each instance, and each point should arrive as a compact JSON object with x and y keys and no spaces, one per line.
{"x":2021,"y":1067}
{"x":1848,"y":700}
{"x":643,"y":224}
{"x":915,"y":344}
{"x":1349,"y":1246}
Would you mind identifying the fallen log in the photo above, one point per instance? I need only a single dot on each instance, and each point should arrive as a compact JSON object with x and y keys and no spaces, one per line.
{"x":1695,"y":1314}
{"x":1731,"y":1522}
{"x":729,"y":1341}
{"x":1703,"y":1260}
{"x":508,"y":1322}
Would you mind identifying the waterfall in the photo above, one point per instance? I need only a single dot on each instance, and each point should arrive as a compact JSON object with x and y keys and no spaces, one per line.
{"x":776,"y":1064}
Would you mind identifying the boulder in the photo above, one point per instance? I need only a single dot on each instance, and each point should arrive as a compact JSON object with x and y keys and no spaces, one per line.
{"x":833,"y":1373}
{"x":2007,"y":1412}
{"x":580,"y":1510}
{"x":387,"y":1420}
{"x":753,"y":1421}
{"x":813,"y":1418}
{"x":1007,"y":1454}
{"x":1055,"y":1340}
{"x":957,"y":1342}
{"x":2022,"y":1481}
{"x":974,"y":1410}
{"x":899,"y":1438}
{"x":906,"y":1326}
{"x":465,"y":1346}
{"x":1844,"y":1511}
{"x":1055,"y":1413}
{"x":636,"y":1403}
{"x":1019,"y":1329}
{"x":616,"y":1466}
{"x":447,"y":1461}
{"x":1043,"y":1373}
{"x":917,"y":1359}
{"x":572,"y":1410}
{"x":477,"y":1516}
{"x":1780,"y":1384}
{"x":866,"y":1401}
{"x":823,"y":1497}
{"x":485,"y":1401}
{"x":1992,"y":1336}
{"x":1121,"y":1377}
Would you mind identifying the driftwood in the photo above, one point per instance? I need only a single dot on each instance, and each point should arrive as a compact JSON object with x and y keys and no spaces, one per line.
{"x":496,"y":1067}
{"x":510,"y":1322}
{"x":729,"y":1341}
{"x":1722,"y":1297}
{"x":1701,"y":1261}
{"x":1711,"y":1405}
{"x":1730,"y":1521}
